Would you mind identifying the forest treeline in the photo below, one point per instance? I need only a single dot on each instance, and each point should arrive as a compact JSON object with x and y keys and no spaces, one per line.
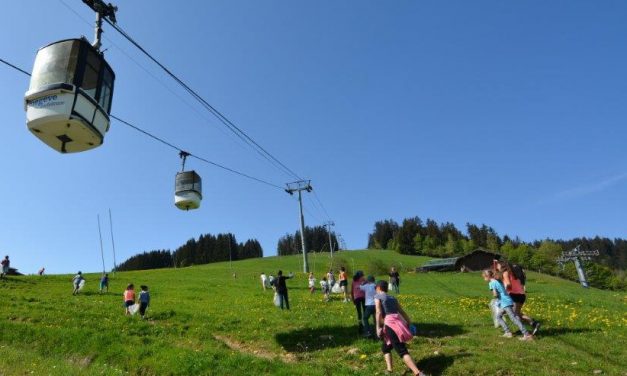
{"x":206,"y":249}
{"x":316,"y":240}
{"x":416,"y":237}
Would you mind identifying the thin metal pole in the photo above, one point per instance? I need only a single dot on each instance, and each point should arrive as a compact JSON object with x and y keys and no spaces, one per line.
{"x":302,"y":233}
{"x":98,"y":32}
{"x":101,"y":249}
{"x":115,"y":264}
{"x":230,"y":253}
{"x":330,"y":242}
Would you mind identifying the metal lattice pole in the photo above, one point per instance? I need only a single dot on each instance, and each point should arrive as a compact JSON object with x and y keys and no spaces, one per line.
{"x":299,"y":186}
{"x":328,"y":224}
{"x":576,"y":255}
{"x":115,"y":264}
{"x":101,"y":248}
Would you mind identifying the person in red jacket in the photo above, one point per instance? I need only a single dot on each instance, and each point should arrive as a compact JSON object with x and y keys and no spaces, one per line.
{"x":514,"y":279}
{"x":359,"y":298}
{"x":129,"y":298}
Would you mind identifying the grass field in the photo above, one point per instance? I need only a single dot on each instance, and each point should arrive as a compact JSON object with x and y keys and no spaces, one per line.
{"x":204,"y":321}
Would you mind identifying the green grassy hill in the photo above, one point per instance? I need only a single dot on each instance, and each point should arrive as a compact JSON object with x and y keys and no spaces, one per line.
{"x":204,"y":321}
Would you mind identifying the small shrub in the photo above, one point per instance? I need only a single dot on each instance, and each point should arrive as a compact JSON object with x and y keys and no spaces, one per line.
{"x":376,"y":267}
{"x":338,"y":262}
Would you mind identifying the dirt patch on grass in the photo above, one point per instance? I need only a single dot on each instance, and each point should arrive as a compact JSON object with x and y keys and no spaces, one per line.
{"x":259,"y":353}
{"x":82,"y":362}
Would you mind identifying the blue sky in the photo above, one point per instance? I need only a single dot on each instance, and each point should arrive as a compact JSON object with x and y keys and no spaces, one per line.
{"x":505,"y":113}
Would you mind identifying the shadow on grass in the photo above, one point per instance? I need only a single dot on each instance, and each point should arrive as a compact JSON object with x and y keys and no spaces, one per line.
{"x":550,"y":332}
{"x":162,"y":315}
{"x":436,"y":330}
{"x":314,"y":339}
{"x":15,"y":279}
{"x":89,"y":293}
{"x":437,"y":364}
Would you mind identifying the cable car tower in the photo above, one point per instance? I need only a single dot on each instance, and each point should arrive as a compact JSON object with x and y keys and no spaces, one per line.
{"x":68,"y":102}
{"x":299,"y":186}
{"x":577,"y":256}
{"x":328,"y":225}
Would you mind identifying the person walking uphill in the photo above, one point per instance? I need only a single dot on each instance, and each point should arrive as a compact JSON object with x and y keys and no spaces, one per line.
{"x":6,"y":264}
{"x":144,"y":300}
{"x":344,"y":283}
{"x":129,"y":298}
{"x":513,"y":279}
{"x":369,"y":290}
{"x":395,"y":280}
{"x":358,"y":297}
{"x":506,"y":304}
{"x":392,"y":325}
{"x":281,"y":289}
{"x":77,"y":281}
{"x":104,"y":283}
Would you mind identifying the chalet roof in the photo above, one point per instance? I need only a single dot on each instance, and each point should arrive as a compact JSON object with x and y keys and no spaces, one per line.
{"x":441,"y":262}
{"x":454,"y":263}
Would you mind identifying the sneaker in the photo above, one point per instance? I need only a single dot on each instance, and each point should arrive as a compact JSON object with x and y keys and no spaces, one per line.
{"x":536,"y":327}
{"x":508,"y":335}
{"x":526,"y":337}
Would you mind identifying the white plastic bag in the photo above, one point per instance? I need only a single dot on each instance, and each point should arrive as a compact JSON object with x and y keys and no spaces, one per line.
{"x":81,"y":284}
{"x":277,"y":300}
{"x":134,"y":308}
{"x":336,"y":289}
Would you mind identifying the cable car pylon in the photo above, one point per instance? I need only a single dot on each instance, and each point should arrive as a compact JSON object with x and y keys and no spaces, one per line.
{"x":299,"y":186}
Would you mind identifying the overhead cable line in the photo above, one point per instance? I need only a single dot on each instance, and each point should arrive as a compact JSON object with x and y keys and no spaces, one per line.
{"x":195,"y":156}
{"x":202,"y":115}
{"x":168,"y":143}
{"x":321,"y":205}
{"x":222,"y":118}
{"x":14,"y":67}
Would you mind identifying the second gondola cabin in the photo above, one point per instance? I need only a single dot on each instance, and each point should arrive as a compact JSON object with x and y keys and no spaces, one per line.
{"x":187,"y":190}
{"x":69,"y":99}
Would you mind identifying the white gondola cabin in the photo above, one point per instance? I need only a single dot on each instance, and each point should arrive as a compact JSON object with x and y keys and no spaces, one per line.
{"x":69,"y":99}
{"x":187,"y":190}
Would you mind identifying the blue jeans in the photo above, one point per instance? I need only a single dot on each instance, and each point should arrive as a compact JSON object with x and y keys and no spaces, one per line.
{"x":512,"y":316}
{"x":369,"y":311}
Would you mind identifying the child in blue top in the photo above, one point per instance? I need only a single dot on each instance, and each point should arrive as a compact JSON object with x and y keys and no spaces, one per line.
{"x":144,"y":300}
{"x":369,"y":289}
{"x":104,"y":283}
{"x":76,"y":281}
{"x":505,"y":303}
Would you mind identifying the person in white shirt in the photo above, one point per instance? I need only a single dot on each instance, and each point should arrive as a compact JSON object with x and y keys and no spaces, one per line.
{"x":264,"y":281}
{"x":369,"y":288}
{"x":312,"y":283}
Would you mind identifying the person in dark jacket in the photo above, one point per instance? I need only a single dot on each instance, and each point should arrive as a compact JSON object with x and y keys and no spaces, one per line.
{"x":281,"y":288}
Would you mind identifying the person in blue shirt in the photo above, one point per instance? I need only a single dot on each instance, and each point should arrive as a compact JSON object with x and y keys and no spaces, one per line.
{"x":144,"y":300}
{"x":104,"y":283}
{"x":76,"y":282}
{"x":506,"y":304}
{"x":369,"y":290}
